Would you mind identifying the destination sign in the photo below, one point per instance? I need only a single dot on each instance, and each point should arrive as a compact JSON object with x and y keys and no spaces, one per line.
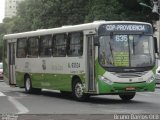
{"x":124,"y":27}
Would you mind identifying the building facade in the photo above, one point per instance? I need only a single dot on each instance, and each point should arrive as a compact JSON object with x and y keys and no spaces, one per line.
{"x":11,"y":7}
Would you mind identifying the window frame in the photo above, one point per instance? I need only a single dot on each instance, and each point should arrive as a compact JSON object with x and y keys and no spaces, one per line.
{"x":75,"y":44}
{"x":25,"y":47}
{"x":54,"y":45}
{"x":29,"y":54}
{"x":48,"y":46}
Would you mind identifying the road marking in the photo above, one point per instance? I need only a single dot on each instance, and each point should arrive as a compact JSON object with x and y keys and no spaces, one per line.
{"x":143,"y":94}
{"x":21,"y":94}
{"x":1,"y":94}
{"x":21,"y":108}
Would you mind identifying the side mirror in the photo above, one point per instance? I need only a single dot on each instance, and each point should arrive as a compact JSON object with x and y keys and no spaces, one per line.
{"x":155,"y":45}
{"x":96,"y":40}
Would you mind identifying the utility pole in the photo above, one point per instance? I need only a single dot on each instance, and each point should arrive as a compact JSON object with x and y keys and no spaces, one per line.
{"x":156,"y":9}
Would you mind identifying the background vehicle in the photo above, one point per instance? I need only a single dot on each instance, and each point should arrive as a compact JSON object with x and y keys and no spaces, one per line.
{"x":1,"y":70}
{"x":102,"y":57}
{"x":157,"y":75}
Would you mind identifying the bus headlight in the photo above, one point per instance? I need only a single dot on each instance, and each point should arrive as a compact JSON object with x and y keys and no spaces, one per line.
{"x":109,"y":82}
{"x":150,"y":79}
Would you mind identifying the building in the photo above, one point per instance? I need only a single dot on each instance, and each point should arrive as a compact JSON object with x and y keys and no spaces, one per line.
{"x":11,"y":7}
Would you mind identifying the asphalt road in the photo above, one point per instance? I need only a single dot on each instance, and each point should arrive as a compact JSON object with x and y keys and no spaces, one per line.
{"x":16,"y":101}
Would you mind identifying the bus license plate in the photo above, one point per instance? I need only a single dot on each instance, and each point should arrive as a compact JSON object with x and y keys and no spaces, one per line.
{"x":130,"y":88}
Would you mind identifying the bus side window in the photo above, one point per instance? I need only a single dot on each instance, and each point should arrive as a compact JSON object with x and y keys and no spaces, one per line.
{"x":59,"y":45}
{"x":75,"y":44}
{"x":33,"y":47}
{"x":45,"y":46}
{"x":21,"y":48}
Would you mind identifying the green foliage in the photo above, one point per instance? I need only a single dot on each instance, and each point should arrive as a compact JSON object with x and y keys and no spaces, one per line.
{"x":42,"y":14}
{"x":34,"y":15}
{"x":105,"y":10}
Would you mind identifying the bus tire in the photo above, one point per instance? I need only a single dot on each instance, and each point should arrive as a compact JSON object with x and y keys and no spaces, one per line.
{"x":29,"y":88}
{"x":127,"y":96}
{"x":77,"y":91}
{"x":28,"y":85}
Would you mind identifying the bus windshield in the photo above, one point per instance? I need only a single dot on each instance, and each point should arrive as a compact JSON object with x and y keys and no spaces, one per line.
{"x":126,"y":50}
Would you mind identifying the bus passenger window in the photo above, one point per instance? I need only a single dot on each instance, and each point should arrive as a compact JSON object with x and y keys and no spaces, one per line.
{"x":45,"y":46}
{"x":33,"y":47}
{"x":21,"y":48}
{"x":75,"y":44}
{"x":59,"y":45}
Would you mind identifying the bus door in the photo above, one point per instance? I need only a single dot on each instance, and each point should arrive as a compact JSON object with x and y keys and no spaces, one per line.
{"x":91,"y":64}
{"x":12,"y":80}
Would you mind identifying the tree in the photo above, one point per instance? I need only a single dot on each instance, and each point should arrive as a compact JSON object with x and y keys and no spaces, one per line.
{"x":120,"y":10}
{"x":105,"y":10}
{"x":33,"y":15}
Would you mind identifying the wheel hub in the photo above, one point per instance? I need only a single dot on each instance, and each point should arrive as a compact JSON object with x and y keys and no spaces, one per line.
{"x":28,"y":84}
{"x":79,"y":90}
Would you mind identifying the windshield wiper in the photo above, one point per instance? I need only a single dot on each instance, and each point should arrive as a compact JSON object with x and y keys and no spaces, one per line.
{"x":112,"y":62}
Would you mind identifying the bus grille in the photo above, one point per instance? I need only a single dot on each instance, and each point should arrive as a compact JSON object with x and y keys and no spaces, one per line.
{"x":130,"y":75}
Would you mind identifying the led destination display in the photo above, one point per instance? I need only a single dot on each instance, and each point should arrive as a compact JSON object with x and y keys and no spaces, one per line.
{"x":125,"y":27}
{"x":107,"y":28}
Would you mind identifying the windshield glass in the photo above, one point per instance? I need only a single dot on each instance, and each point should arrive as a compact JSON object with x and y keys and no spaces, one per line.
{"x":126,"y":51}
{"x":1,"y":66}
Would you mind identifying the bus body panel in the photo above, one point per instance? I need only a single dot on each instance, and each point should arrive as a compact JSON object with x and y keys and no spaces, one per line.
{"x":58,"y":72}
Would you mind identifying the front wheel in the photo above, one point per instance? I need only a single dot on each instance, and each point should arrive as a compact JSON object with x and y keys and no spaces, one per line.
{"x":28,"y":85}
{"x":78,"y":92}
{"x":127,"y":96}
{"x":29,"y":88}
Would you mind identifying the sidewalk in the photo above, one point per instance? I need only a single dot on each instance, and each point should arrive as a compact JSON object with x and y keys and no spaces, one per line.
{"x":4,"y":87}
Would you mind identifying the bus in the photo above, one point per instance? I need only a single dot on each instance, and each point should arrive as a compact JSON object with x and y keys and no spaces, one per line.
{"x":98,"y":58}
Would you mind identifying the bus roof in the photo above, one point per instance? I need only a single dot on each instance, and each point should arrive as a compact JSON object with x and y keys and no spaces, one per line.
{"x":67,"y":28}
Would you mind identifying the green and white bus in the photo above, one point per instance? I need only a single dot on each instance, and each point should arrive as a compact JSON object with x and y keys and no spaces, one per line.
{"x":103,"y":57}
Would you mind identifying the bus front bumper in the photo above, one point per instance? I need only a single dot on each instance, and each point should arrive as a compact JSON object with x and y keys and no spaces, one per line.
{"x":105,"y":88}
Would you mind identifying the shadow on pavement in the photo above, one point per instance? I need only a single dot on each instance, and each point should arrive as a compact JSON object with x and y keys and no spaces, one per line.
{"x":92,"y":99}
